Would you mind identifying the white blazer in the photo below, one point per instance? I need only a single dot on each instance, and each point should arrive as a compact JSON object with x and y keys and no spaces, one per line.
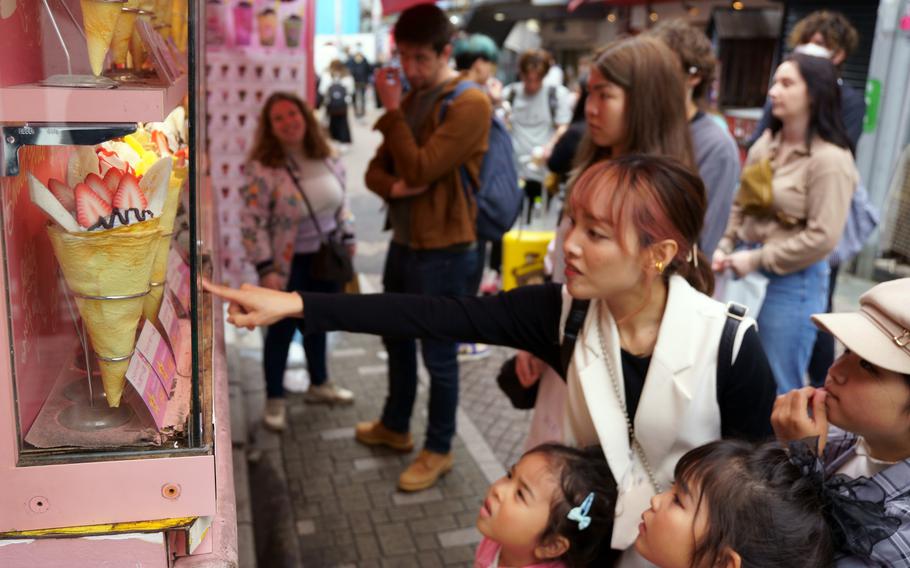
{"x":678,"y":408}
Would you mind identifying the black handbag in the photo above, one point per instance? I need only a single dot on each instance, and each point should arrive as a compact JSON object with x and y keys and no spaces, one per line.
{"x":332,"y":261}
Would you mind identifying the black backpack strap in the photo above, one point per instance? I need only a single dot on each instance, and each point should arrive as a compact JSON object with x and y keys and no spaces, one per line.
{"x":735,"y":314}
{"x":574,"y":321}
{"x":553,"y":102}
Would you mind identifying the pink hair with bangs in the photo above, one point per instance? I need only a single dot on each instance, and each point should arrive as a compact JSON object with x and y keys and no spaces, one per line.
{"x":659,"y":199}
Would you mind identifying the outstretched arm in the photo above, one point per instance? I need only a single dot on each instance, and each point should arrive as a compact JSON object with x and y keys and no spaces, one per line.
{"x":526,"y":318}
{"x":252,"y":306}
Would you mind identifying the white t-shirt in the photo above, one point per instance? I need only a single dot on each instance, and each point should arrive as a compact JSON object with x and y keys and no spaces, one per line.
{"x":862,"y":464}
{"x":532,"y":122}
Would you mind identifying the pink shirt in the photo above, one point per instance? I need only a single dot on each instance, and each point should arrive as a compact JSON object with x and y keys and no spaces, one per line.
{"x":487,"y":556}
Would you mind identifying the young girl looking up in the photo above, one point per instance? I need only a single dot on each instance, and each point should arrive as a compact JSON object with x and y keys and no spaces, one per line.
{"x":553,"y":508}
{"x":735,"y":506}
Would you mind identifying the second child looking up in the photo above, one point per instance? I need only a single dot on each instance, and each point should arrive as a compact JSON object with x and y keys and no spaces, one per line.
{"x":735,"y":505}
{"x":553,"y":508}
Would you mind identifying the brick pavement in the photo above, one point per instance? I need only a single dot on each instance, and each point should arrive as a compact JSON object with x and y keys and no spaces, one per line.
{"x":343,"y":502}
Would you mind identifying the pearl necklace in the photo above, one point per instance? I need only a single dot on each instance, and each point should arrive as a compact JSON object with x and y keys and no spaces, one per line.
{"x":621,"y":400}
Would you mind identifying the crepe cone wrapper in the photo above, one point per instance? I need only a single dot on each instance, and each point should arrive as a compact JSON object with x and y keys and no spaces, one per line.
{"x":163,"y":246}
{"x":99,"y":18}
{"x":100,"y":266}
{"x":120,"y":44}
{"x":137,"y":46}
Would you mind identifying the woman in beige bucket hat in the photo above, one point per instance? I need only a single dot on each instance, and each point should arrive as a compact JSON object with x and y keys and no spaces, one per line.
{"x":862,"y":415}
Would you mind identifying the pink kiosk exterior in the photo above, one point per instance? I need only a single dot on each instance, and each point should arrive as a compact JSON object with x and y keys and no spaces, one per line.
{"x":148,"y":483}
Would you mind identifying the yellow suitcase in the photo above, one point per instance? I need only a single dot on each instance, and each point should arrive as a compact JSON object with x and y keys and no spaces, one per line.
{"x":523,"y":253}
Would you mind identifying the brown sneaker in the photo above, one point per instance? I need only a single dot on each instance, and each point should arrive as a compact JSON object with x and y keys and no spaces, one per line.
{"x":375,"y":434}
{"x":425,"y":471}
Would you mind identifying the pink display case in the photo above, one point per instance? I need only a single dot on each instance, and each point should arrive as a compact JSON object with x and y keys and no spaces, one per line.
{"x":110,"y":366}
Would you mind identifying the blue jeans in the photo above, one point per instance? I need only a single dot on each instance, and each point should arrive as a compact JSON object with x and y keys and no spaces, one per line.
{"x":438,"y":273}
{"x":279,"y":335}
{"x":786,"y":332}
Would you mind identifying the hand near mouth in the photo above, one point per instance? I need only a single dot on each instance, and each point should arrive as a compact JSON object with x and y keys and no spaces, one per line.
{"x":792,"y":419}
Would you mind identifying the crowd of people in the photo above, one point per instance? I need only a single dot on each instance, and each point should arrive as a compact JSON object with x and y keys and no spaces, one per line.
{"x":670,"y":428}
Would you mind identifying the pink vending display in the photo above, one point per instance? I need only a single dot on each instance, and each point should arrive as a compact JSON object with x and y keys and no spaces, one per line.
{"x":110,"y":364}
{"x":268,"y":49}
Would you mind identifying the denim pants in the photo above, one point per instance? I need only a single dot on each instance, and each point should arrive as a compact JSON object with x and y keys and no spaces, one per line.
{"x":279,"y":335}
{"x":438,"y":273}
{"x":784,"y":325}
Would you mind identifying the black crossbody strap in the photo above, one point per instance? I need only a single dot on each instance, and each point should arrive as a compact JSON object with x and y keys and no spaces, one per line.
{"x":305,"y":200}
{"x":574,"y":321}
{"x":735,"y":314}
{"x":309,"y":207}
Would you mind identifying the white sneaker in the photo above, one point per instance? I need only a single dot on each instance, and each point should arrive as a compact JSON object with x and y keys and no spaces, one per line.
{"x":472,"y":351}
{"x":328,"y":393}
{"x":296,"y":380}
{"x":296,"y":356}
{"x":275,"y":414}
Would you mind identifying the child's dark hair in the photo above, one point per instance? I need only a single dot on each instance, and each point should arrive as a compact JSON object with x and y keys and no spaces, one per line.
{"x":580,"y":472}
{"x":758,"y":504}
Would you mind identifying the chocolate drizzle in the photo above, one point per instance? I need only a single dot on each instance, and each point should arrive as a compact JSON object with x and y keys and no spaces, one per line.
{"x":123,"y":217}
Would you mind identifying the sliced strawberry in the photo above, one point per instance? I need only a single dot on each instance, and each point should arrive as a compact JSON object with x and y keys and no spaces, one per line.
{"x":160,"y":141}
{"x":97,"y":184}
{"x":63,"y":193}
{"x":89,"y":206}
{"x":112,"y":179}
{"x":129,"y":195}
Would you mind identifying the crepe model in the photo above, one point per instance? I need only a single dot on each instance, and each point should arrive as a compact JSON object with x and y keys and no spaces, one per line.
{"x":137,"y":46}
{"x":163,"y":16}
{"x":166,"y":139}
{"x":99,"y":17}
{"x":104,"y":233}
{"x":123,"y":31}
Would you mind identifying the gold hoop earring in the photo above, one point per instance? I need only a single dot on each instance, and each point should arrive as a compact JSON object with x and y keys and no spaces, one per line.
{"x":660,"y":266}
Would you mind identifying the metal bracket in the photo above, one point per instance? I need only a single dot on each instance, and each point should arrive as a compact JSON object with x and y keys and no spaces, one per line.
{"x":52,"y":134}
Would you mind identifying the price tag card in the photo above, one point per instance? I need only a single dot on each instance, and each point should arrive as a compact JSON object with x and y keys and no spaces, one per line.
{"x":178,"y":282}
{"x":170,"y":323}
{"x":159,"y":54}
{"x":151,"y":369}
{"x":158,"y":351}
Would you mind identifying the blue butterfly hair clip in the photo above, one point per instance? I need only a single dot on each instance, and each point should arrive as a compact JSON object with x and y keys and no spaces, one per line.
{"x":580,"y":514}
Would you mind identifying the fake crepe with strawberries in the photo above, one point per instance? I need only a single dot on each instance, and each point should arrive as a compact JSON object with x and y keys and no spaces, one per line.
{"x":104,"y":233}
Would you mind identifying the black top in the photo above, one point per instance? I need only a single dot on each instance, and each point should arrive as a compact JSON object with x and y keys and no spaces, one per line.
{"x":634,"y":371}
{"x":528,"y":318}
{"x":563,"y":154}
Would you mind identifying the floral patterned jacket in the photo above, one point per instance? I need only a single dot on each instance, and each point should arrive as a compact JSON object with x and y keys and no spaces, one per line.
{"x":272,"y":213}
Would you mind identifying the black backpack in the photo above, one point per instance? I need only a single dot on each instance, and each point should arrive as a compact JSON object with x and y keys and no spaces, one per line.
{"x":336,"y":99}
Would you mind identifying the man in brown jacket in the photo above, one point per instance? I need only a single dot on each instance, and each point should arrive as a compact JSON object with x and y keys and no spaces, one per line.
{"x":418,"y":170}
